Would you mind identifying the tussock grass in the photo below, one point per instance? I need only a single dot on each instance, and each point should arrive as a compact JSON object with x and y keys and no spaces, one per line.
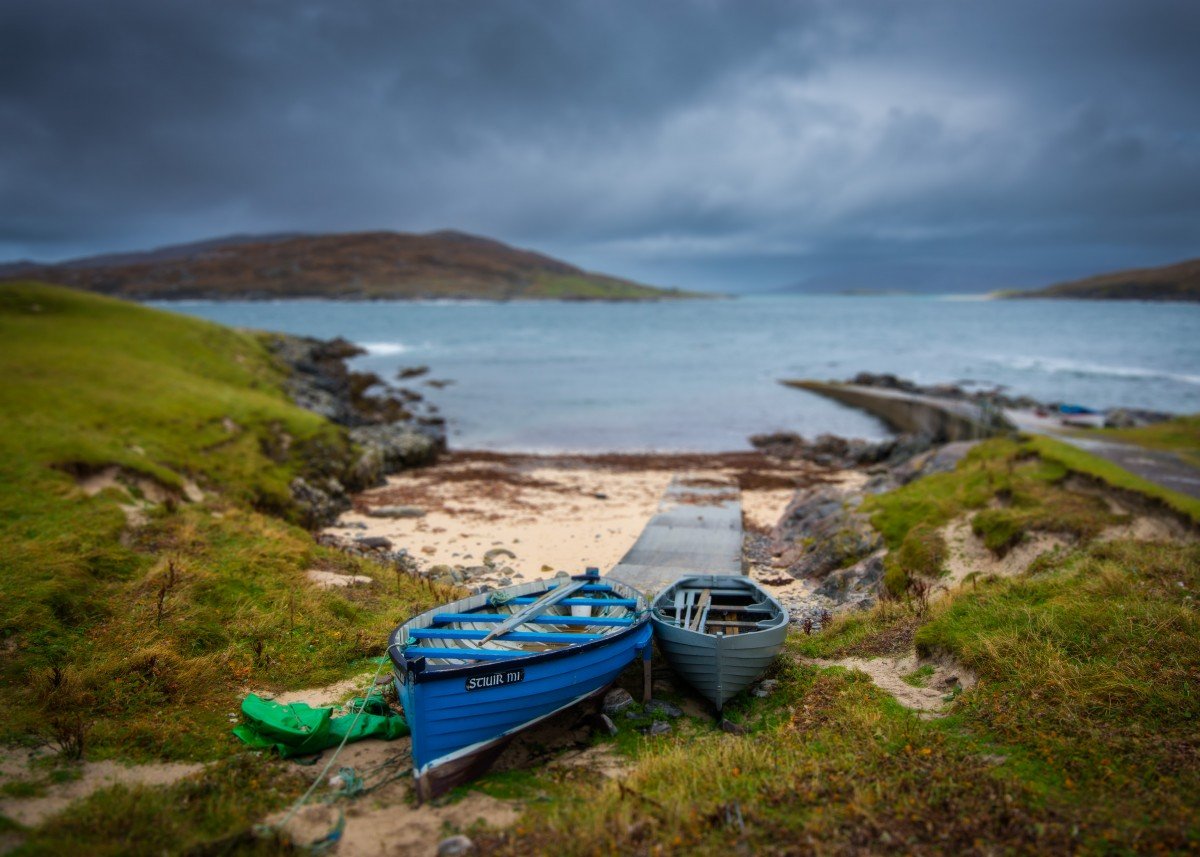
{"x":1081,"y":734}
{"x":136,"y":642}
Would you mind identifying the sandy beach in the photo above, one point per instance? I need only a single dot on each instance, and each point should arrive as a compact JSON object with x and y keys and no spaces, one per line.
{"x":531,"y":516}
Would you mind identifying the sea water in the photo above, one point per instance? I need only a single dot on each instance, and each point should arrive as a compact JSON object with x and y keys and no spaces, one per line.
{"x":704,"y":375}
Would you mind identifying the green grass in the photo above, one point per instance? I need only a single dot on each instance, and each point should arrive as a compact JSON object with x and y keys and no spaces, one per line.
{"x":1079,"y":736}
{"x":919,"y":677}
{"x":1074,"y":739}
{"x":142,"y":639}
{"x":208,"y":813}
{"x":1077,"y":460}
{"x":1180,"y":435}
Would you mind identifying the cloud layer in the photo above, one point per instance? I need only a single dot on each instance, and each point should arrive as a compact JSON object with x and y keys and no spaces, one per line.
{"x":721,"y":144}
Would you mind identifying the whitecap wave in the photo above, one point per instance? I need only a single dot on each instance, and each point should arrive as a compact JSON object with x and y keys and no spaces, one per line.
{"x":1061,"y":366}
{"x":384,"y":349}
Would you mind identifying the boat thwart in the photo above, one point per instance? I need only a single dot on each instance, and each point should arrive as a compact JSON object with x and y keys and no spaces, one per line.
{"x":473,"y":673}
{"x":718,"y":632}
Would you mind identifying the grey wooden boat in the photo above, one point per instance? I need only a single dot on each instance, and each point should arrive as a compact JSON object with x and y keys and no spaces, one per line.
{"x":719,"y":632}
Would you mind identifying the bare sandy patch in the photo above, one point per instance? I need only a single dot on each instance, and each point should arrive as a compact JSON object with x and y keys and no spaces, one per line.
{"x":85,"y":778}
{"x":968,"y":555}
{"x":333,"y":580}
{"x":939,"y":679}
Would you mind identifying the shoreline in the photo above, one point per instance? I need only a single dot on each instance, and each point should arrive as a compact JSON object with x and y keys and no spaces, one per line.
{"x":480,"y":518}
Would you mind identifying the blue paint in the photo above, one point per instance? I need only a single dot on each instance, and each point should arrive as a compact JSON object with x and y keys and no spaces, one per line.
{"x":543,"y":619}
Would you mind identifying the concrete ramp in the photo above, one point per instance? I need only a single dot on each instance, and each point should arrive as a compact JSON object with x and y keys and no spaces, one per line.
{"x":698,"y":530}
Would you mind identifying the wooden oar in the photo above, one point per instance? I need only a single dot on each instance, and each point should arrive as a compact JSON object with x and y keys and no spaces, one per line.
{"x":701,"y":607}
{"x":522,"y":616}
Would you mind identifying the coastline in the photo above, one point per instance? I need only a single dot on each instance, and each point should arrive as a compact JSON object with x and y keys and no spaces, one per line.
{"x":480,"y":518}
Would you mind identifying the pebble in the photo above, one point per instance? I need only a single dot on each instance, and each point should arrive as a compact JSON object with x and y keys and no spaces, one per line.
{"x":660,"y":727}
{"x":396,"y":512}
{"x":373,"y":542}
{"x":606,"y":723}
{"x":455,"y":846}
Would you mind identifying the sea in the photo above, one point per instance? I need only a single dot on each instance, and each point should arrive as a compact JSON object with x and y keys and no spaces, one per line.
{"x":704,"y":375}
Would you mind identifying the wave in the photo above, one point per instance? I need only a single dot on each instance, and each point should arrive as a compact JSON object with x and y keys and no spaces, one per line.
{"x":384,"y":349}
{"x":1060,"y":366}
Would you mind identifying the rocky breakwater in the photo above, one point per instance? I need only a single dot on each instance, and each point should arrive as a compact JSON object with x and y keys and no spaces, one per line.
{"x":388,"y":429}
{"x":823,"y":536}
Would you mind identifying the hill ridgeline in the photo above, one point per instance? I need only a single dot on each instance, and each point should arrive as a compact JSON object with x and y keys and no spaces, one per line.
{"x":351,"y":266}
{"x":1179,"y":282}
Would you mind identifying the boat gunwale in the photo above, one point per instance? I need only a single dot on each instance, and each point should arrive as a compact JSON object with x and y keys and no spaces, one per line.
{"x":782,"y":617}
{"x":640,"y":615}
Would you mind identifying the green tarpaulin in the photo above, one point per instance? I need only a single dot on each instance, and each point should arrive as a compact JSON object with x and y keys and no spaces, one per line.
{"x":298,"y":729}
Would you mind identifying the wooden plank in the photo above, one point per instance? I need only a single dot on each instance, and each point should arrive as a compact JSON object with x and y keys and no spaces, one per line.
{"x":463,"y":654}
{"x":701,"y":610}
{"x":515,"y":636}
{"x":582,"y":602}
{"x":542,"y":619}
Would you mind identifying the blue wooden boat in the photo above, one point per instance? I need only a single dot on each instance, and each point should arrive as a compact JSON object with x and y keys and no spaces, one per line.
{"x":473,"y":673}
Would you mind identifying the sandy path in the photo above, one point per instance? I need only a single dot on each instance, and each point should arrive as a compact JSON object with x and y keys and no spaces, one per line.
{"x":86,"y":778}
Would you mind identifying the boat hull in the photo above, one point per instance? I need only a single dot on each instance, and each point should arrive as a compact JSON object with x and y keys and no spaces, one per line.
{"x":719,"y":667}
{"x":462,"y":717}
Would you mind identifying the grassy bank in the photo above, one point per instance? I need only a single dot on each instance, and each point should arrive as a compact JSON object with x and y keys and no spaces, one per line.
{"x":1081,"y":734}
{"x":134,"y":614}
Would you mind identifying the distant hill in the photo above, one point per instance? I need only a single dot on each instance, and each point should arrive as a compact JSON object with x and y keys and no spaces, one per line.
{"x":355,"y":265}
{"x":1180,"y":282}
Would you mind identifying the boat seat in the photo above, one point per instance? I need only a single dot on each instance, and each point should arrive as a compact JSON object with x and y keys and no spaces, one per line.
{"x":542,"y":619}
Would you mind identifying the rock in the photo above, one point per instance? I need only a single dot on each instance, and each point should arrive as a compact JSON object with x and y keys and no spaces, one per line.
{"x":857,"y":585}
{"x":397,"y":445}
{"x":606,"y":723}
{"x":770,"y":685}
{"x":455,"y":846}
{"x":373,"y":542}
{"x":489,"y":558}
{"x":412,"y":372}
{"x":396,"y":512}
{"x":822,"y":530}
{"x":561,"y":574}
{"x":732,"y":728}
{"x":659,"y":727}
{"x":442,"y":574}
{"x":319,"y":506}
{"x":661,"y":706}
{"x":616,"y":701}
{"x":1133,"y":418}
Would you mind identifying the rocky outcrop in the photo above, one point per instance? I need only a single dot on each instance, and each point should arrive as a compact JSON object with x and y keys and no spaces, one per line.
{"x":825,"y":537}
{"x":833,"y":451}
{"x":387,"y":429}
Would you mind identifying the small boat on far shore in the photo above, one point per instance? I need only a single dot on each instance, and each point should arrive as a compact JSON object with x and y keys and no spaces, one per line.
{"x":473,"y":673}
{"x":718,"y":632}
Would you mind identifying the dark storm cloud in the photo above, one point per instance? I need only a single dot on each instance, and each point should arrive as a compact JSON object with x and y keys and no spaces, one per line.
{"x":721,"y":143}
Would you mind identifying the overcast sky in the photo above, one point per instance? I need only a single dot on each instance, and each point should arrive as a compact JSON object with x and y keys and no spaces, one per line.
{"x":745,"y":144}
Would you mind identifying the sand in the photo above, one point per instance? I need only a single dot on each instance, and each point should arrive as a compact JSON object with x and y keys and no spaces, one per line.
{"x":537,"y":515}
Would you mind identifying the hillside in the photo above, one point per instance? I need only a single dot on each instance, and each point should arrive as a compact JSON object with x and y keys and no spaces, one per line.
{"x":151,"y":572}
{"x":355,"y":265}
{"x":1180,"y":282}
